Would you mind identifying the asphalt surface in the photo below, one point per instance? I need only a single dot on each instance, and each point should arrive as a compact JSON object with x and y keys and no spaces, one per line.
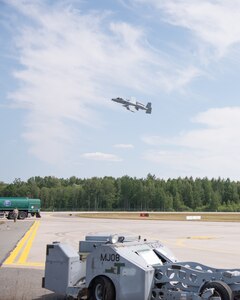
{"x":24,"y":284}
{"x":10,"y":234}
{"x":19,"y":283}
{"x":214,"y":244}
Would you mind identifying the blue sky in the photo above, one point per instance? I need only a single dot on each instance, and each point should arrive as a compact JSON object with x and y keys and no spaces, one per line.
{"x":62,"y":61}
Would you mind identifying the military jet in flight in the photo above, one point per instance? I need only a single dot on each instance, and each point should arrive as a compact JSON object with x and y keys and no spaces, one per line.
{"x":136,"y":105}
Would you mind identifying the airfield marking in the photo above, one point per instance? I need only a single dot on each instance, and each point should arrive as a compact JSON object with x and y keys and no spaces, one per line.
{"x":181,"y":244}
{"x":201,"y":237}
{"x":21,"y":243}
{"x":26,"y":241}
{"x":28,"y":246}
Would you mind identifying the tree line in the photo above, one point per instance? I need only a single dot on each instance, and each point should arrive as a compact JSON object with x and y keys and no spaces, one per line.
{"x":128,"y":193}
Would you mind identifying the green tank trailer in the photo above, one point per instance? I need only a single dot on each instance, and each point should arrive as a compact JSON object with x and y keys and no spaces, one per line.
{"x":25,"y":207}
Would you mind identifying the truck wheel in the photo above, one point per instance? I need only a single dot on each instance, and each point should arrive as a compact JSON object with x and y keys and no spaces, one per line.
{"x":221,"y":289}
{"x":22,"y":215}
{"x":10,"y":215}
{"x":101,"y":289}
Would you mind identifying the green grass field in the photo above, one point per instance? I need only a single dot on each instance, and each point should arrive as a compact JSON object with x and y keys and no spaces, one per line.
{"x":209,"y":217}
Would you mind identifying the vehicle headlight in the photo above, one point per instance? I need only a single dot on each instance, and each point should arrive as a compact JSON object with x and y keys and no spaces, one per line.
{"x":113,"y":239}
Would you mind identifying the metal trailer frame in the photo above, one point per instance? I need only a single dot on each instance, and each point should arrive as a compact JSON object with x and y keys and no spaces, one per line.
{"x":122,"y":267}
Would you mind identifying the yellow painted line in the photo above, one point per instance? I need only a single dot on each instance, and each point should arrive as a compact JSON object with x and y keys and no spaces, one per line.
{"x":16,"y":251}
{"x":35,"y":264}
{"x":38,"y":265}
{"x":180,"y":243}
{"x":31,"y":264}
{"x":28,"y":246}
{"x":204,"y":237}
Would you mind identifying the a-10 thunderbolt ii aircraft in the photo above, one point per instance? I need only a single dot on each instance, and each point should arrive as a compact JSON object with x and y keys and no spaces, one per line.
{"x":136,"y":105}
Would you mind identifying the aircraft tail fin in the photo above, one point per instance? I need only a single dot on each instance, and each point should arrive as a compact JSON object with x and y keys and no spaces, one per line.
{"x":149,"y":108}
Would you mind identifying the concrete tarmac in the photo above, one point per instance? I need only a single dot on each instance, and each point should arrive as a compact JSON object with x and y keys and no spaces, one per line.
{"x":212,"y":243}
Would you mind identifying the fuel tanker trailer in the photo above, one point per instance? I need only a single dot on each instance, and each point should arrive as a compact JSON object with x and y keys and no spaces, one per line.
{"x":25,"y":207}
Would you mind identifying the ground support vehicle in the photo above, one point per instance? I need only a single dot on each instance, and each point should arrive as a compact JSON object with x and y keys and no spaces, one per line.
{"x":120,"y":267}
{"x":26,"y":206}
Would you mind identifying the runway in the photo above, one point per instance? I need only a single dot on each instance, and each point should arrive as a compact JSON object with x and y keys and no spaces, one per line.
{"x":212,"y":243}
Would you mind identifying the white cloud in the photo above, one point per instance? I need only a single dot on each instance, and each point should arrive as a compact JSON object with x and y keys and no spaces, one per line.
{"x":154,"y":140}
{"x":124,"y":146}
{"x":67,"y":59}
{"x":216,"y":23}
{"x":210,"y":151}
{"x":101,"y":156}
{"x":178,"y":78}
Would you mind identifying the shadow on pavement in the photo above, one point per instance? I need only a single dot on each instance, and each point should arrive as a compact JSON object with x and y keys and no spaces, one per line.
{"x":51,"y":297}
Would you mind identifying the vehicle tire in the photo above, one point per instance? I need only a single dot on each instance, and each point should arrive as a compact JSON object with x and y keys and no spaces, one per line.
{"x":38,"y":215}
{"x":10,"y":216}
{"x":221,"y":289}
{"x":101,"y":288}
{"x":22,"y":215}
